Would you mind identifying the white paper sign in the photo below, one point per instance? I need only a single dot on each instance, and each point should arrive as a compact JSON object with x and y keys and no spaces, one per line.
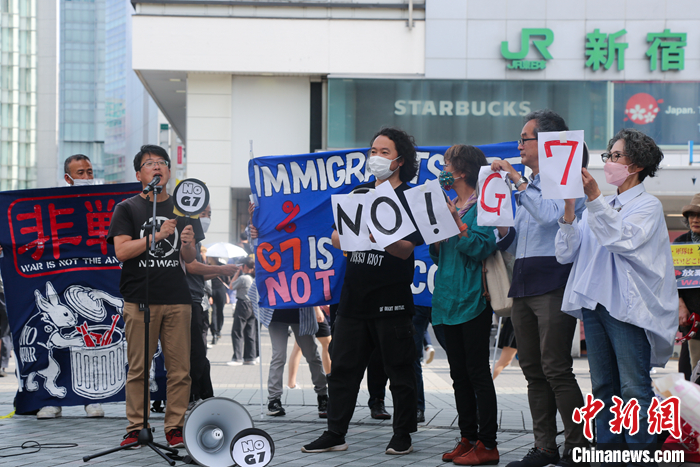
{"x":430,"y":211}
{"x":350,"y":216}
{"x":387,"y":219}
{"x":494,"y":206}
{"x":560,"y":158}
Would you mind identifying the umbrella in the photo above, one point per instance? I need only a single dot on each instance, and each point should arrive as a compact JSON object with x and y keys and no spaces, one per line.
{"x":225,"y":250}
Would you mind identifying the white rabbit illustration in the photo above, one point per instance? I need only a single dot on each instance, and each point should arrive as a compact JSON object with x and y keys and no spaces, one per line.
{"x":57,"y":316}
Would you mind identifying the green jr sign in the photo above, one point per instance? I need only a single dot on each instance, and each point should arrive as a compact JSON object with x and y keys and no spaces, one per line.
{"x":601,"y":50}
{"x":516,"y":58}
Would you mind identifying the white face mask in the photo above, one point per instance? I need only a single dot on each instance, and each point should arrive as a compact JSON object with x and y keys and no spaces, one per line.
{"x":86,"y":181}
{"x":381,"y":167}
{"x":206,"y":222}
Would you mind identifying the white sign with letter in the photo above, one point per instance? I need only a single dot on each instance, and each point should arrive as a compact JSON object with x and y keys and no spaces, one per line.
{"x":560,"y":160}
{"x":387,"y":219}
{"x":494,"y":206}
{"x":350,"y":214}
{"x":429,"y":208}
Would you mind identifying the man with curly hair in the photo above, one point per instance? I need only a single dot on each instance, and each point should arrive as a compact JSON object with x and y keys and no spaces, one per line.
{"x":364,"y":322}
{"x":622,"y":283}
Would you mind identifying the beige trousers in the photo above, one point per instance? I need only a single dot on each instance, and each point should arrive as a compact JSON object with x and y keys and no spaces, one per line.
{"x":172,"y":324}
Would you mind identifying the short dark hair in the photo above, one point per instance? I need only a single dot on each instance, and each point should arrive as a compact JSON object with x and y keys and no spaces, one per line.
{"x":249,"y":262}
{"x":74,"y":157}
{"x":641,"y":150}
{"x":546,"y":120}
{"x":468,"y":160}
{"x":153,"y":150}
{"x":406,"y":147}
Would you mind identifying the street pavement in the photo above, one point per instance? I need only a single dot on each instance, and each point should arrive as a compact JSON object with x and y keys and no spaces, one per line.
{"x":367,"y":437}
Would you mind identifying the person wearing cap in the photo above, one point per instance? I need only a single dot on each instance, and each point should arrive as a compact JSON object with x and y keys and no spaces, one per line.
{"x":689,"y":299}
{"x":622,"y":283}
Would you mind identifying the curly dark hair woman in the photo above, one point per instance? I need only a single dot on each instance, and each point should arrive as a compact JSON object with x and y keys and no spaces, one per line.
{"x":641,"y":150}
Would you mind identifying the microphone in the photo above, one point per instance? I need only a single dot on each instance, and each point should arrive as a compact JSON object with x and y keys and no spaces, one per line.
{"x":151,"y":186}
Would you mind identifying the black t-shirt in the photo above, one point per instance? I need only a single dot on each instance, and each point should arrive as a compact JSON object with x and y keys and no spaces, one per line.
{"x":376,"y":283}
{"x":168,"y":285}
{"x":196,"y":281}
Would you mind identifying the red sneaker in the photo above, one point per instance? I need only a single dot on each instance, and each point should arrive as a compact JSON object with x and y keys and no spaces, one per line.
{"x":174,"y":438}
{"x":463,"y":447}
{"x":131,"y":437}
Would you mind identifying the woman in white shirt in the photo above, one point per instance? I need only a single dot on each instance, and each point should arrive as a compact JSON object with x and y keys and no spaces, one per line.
{"x":622,"y":283}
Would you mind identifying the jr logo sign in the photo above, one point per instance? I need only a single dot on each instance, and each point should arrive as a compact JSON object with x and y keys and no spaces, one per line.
{"x":541,"y":45}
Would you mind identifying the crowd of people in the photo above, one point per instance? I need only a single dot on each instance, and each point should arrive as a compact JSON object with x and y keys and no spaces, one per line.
{"x":604,"y":260}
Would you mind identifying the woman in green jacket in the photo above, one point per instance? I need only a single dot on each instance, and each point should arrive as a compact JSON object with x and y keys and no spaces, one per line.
{"x":458,"y":303}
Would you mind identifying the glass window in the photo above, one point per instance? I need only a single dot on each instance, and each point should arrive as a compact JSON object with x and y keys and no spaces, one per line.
{"x":446,"y":112}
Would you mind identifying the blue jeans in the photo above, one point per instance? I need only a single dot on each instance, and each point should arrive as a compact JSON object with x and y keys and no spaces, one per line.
{"x":619,"y":358}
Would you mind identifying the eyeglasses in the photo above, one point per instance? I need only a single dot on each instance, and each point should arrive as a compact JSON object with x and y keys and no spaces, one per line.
{"x":149,"y":164}
{"x":521,"y":141}
{"x":611,"y":156}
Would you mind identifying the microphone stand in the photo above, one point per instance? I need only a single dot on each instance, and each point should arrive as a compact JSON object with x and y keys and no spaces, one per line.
{"x":146,"y":434}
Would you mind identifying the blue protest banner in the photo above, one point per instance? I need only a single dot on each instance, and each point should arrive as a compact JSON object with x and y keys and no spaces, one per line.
{"x":61,"y":281}
{"x":295,"y":261}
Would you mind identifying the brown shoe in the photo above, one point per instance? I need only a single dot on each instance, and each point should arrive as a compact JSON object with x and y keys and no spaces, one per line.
{"x":479,"y":456}
{"x":463,"y":447}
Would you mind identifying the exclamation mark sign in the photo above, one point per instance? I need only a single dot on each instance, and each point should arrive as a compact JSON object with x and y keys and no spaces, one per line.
{"x":431,"y":214}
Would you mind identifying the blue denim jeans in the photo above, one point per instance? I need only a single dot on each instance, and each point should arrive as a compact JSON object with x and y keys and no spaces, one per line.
{"x":619,"y":358}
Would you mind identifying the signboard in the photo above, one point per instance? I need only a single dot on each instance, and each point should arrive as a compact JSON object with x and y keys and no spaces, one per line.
{"x":479,"y":112}
{"x":295,"y":261}
{"x":667,"y":112}
{"x":686,"y":263}
{"x":61,"y":282}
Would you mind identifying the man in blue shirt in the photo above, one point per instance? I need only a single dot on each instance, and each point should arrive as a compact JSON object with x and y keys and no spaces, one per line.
{"x":543,"y":332}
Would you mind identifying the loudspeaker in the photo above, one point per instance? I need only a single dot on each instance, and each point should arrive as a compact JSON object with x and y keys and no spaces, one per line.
{"x":210,"y":429}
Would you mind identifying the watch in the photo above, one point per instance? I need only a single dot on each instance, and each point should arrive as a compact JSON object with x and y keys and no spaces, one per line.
{"x":520,"y":182}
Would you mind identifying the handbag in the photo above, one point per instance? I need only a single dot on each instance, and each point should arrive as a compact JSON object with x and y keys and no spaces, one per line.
{"x":496,"y":279}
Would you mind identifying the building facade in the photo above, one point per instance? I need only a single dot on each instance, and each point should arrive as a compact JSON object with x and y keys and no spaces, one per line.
{"x":311,"y":75}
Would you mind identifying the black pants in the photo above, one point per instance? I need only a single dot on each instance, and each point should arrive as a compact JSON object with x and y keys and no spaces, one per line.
{"x":468,"y":355}
{"x":217,"y":314}
{"x":243,"y":332}
{"x":353,"y":342}
{"x":376,"y":378}
{"x":200,"y":371}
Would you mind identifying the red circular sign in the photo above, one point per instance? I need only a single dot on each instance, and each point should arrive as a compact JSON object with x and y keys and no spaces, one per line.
{"x":642,"y":108}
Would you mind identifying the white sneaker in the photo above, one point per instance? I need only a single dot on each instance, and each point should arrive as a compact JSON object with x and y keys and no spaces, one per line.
{"x":48,"y":412}
{"x":234,"y":363}
{"x":429,"y":354}
{"x":294,"y":388}
{"x":209,"y":346}
{"x":94,"y":411}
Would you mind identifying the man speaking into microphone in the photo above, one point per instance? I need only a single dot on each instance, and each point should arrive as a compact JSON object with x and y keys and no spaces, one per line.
{"x":168,"y":293}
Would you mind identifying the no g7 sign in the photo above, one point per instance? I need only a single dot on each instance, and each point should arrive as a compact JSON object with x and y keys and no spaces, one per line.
{"x":560,"y":155}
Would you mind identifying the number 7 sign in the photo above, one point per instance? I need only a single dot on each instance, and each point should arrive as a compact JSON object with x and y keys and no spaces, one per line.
{"x":560,"y":155}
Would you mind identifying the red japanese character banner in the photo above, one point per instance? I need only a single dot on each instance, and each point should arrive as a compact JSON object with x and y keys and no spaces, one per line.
{"x":61,"y":282}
